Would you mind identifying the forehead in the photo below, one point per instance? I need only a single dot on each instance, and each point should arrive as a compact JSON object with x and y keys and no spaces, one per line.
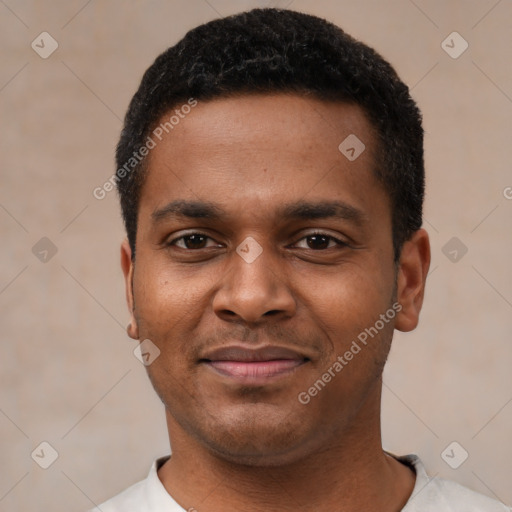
{"x":281,"y":121}
{"x":261,"y":148}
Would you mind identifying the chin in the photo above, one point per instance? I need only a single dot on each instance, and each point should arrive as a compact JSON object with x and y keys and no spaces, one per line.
{"x":256,"y":437}
{"x":263,"y":454}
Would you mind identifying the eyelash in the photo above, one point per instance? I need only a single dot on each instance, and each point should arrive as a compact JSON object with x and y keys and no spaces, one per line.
{"x":339,"y":242}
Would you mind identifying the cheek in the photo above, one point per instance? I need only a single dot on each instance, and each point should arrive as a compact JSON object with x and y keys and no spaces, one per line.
{"x":348,"y":310}
{"x":160,"y":301}
{"x":349,"y":299}
{"x":169,"y":304}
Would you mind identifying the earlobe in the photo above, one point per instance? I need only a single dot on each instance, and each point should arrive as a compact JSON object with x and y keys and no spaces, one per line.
{"x":412,"y":274}
{"x":128,"y":267}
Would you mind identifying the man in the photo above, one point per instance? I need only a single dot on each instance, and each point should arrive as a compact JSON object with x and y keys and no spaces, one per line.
{"x":271,"y":179}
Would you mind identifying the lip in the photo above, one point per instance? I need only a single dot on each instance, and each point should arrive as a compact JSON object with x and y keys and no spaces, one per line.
{"x":251,"y":365}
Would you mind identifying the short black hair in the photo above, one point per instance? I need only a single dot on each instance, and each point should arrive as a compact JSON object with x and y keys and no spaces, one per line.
{"x":269,"y":51}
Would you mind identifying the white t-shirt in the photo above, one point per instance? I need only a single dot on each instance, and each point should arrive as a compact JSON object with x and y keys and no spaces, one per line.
{"x":428,"y":495}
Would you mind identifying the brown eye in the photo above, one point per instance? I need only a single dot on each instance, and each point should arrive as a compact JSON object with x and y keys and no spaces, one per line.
{"x":319,"y":241}
{"x":193,"y":241}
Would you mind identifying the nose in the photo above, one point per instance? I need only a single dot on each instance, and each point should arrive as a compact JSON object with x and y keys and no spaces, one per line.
{"x":251,"y":292}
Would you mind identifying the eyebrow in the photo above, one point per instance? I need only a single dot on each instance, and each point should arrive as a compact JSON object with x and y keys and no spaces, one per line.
{"x":188,"y":209}
{"x":303,"y":210}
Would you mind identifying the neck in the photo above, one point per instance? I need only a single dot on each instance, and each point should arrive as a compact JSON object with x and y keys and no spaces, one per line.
{"x":351,"y":473}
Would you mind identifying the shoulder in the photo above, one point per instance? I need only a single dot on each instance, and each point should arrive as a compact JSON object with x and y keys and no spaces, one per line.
{"x":144,"y":496}
{"x":131,"y":499}
{"x":456,"y":495}
{"x":441,"y":495}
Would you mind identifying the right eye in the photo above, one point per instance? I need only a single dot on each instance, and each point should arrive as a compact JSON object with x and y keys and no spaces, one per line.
{"x":192,"y":241}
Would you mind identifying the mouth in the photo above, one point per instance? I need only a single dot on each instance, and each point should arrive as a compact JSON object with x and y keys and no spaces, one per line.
{"x":254,"y":366}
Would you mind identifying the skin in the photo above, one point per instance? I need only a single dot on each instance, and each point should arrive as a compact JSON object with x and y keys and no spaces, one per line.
{"x":247,"y":447}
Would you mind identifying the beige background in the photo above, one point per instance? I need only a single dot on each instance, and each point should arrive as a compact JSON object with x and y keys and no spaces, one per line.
{"x":68,"y":373}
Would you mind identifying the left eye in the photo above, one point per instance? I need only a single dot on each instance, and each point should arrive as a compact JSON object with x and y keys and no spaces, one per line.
{"x":319,"y":241}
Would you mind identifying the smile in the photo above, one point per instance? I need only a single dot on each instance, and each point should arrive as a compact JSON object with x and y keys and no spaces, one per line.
{"x":254,"y":366}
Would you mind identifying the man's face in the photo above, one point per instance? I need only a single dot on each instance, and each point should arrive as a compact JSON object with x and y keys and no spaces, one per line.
{"x":259,"y":262}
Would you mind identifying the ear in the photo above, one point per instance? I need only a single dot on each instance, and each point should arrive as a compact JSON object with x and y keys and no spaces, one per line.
{"x":127,"y":266}
{"x":412,"y":274}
